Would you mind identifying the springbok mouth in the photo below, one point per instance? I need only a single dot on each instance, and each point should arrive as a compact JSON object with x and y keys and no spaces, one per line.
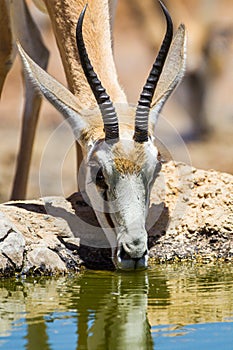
{"x":124,"y":261}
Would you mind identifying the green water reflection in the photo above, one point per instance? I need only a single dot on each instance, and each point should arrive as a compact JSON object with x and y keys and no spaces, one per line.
{"x":107,"y":310}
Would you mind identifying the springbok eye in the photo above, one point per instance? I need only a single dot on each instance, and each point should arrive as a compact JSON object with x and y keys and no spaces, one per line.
{"x":100,"y":175}
{"x":100,"y":179}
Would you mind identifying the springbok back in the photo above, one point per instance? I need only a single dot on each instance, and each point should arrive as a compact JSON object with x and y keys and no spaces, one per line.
{"x":121,"y":161}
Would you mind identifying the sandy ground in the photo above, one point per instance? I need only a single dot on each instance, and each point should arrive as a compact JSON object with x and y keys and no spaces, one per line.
{"x":53,"y":165}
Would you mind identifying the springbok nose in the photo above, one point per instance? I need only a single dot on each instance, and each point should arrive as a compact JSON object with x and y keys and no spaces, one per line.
{"x":134,"y":249}
{"x":131,"y":259}
{"x":132,"y":254}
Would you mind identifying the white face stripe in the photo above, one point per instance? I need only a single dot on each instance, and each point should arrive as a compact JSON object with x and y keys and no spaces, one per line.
{"x":125,"y":195}
{"x":128,"y":210}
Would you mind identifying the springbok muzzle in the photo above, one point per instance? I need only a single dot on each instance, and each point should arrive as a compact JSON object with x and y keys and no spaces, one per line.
{"x":132,"y":254}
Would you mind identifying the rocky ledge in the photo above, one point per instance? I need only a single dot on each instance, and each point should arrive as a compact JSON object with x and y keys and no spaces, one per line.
{"x":191,"y":217}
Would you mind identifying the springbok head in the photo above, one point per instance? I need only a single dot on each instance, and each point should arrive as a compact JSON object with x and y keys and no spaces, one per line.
{"x":121,"y":160}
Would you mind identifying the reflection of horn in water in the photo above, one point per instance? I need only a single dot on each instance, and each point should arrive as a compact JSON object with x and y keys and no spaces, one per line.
{"x":121,"y":310}
{"x":120,"y":320}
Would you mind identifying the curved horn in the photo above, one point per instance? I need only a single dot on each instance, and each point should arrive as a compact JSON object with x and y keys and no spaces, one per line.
{"x":144,"y":103}
{"x":107,"y":109}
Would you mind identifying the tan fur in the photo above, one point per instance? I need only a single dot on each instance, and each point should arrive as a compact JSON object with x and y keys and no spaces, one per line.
{"x":93,"y":133}
{"x":126,"y":166}
{"x":129,"y":162}
{"x":64,"y":15}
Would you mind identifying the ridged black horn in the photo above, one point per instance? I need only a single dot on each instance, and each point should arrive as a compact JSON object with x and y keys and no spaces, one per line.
{"x":107,"y":109}
{"x":144,"y":103}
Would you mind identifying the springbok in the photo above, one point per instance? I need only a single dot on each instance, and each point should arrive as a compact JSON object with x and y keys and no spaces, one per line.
{"x":121,"y":160}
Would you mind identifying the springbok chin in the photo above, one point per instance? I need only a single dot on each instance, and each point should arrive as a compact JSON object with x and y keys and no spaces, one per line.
{"x":121,"y":160}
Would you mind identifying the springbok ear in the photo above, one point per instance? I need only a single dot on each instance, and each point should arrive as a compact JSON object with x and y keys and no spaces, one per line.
{"x":60,"y":97}
{"x":172,"y":74}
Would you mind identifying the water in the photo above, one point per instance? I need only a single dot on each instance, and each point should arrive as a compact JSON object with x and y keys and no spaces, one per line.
{"x":183,"y":306}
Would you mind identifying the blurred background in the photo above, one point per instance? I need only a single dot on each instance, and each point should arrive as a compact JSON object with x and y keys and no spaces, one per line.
{"x":200,"y":112}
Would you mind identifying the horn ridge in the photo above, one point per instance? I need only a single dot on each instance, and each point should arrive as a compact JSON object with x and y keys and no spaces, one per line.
{"x":144,"y":103}
{"x":109,"y":116}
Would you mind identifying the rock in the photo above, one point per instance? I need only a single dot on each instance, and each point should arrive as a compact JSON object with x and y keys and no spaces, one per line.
{"x":12,"y":243}
{"x":5,"y":226}
{"x":13,"y":248}
{"x":200,"y":214}
{"x":32,"y":240}
{"x":191,"y":217}
{"x":43,"y":260}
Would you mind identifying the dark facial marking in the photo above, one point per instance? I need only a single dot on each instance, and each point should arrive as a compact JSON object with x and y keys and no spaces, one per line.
{"x":98,"y":178}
